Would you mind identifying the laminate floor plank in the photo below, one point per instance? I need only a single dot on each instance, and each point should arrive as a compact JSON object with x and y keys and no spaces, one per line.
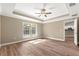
{"x":40,"y":47}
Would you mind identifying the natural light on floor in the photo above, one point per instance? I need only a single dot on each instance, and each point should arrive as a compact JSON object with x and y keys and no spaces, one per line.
{"x":37,"y":41}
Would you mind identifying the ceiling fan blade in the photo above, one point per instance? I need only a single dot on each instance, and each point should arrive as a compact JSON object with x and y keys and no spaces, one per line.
{"x":48,"y":13}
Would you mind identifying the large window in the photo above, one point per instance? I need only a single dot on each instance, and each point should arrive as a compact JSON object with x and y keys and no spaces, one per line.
{"x":29,"y":29}
{"x":26,"y":29}
{"x":33,"y":29}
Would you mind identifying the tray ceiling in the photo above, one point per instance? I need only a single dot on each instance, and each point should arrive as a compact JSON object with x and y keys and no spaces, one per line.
{"x":29,"y":9}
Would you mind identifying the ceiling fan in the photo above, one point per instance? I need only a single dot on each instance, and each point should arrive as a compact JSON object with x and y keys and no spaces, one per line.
{"x":43,"y":11}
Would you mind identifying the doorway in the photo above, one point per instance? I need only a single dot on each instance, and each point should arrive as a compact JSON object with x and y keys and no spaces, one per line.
{"x":70,"y":29}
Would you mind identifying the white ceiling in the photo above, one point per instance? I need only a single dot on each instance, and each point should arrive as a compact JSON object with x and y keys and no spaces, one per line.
{"x":58,"y":9}
{"x":32,"y":8}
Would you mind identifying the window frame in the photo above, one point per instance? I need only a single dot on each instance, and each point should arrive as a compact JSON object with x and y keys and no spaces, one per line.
{"x":30,"y":35}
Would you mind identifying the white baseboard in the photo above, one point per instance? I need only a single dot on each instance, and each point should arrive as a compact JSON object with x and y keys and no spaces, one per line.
{"x":56,"y":39}
{"x":14,"y":42}
{"x":28,"y":40}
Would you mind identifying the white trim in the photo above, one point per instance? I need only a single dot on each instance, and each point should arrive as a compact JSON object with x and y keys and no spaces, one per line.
{"x":30,"y":35}
{"x":75,"y":31}
{"x":59,"y":19}
{"x":14,"y":42}
{"x":64,"y":31}
{"x":23,"y":18}
{"x":62,"y":17}
{"x":28,"y":40}
{"x":55,"y":38}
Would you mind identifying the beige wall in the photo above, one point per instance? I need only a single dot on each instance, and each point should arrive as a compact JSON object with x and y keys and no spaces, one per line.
{"x":0,"y":29}
{"x":54,"y":30}
{"x":12,"y":29}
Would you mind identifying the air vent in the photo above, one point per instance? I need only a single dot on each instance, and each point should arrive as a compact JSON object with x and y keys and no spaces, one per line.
{"x":72,"y":4}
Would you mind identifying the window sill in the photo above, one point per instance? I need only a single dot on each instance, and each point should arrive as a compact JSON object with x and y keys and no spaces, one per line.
{"x":29,"y":36}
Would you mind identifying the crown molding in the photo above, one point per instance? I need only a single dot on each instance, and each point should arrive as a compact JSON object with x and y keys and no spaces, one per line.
{"x":23,"y":18}
{"x":63,"y":17}
{"x":21,"y":13}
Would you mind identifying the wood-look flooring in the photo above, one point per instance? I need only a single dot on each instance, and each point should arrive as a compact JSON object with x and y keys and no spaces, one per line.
{"x":40,"y":47}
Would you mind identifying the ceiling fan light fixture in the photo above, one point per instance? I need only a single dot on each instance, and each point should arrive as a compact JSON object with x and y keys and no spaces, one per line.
{"x":45,"y":15}
{"x":44,"y":12}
